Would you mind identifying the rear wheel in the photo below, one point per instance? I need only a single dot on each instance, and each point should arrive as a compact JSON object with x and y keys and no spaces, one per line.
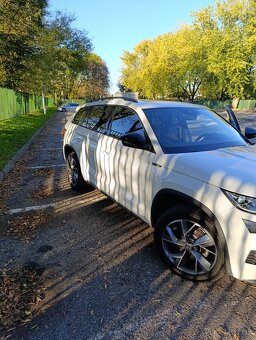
{"x":188,"y":242}
{"x":75,"y":177}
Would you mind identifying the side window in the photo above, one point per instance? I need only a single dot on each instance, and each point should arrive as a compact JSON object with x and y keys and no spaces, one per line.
{"x":85,"y":116}
{"x":97,"y":119}
{"x":79,"y":116}
{"x":124,"y":120}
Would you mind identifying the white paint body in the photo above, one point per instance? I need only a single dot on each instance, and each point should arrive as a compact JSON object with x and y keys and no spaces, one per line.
{"x":129,"y":177}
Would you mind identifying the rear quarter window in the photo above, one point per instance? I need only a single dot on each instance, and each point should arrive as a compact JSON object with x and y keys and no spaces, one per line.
{"x":124,"y":120}
{"x":80,"y":116}
{"x":97,"y":119}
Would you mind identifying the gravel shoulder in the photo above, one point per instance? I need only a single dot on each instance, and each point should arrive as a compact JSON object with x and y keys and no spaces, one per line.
{"x":102,"y":278}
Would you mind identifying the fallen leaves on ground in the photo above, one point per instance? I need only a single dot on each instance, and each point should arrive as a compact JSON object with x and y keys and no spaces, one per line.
{"x":9,"y":186}
{"x":20,"y":293}
{"x":43,"y":172}
{"x":42,"y":191}
{"x":25,"y":226}
{"x":3,"y":206}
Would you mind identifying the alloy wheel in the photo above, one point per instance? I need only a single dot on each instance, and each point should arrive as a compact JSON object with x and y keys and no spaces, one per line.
{"x":189,"y":246}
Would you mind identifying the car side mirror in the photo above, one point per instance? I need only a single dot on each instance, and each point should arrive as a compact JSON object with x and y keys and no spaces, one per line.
{"x":135,"y":140}
{"x":250,"y":133}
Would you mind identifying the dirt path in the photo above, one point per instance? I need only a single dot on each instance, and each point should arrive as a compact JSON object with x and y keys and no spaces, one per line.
{"x":101,"y":274}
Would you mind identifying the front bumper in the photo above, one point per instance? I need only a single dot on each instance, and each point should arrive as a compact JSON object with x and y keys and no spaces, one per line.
{"x":241,"y":244}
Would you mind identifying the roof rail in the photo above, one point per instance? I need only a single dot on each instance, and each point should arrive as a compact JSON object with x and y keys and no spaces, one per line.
{"x":114,"y":97}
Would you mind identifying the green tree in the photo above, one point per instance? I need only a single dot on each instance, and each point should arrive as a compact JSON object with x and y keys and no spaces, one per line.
{"x":94,"y":81}
{"x":189,"y":67}
{"x":134,"y":73}
{"x":170,"y":65}
{"x":62,"y":56}
{"x":20,"y":24}
{"x":230,"y":49}
{"x":211,"y":58}
{"x":72,"y":48}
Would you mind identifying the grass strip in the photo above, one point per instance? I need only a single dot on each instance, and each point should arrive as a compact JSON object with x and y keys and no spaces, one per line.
{"x":15,"y":132}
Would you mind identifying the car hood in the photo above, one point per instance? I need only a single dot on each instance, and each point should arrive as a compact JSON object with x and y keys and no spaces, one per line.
{"x":233,"y":168}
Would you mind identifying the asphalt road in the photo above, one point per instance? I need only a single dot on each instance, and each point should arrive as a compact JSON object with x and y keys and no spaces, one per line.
{"x":103,"y":277}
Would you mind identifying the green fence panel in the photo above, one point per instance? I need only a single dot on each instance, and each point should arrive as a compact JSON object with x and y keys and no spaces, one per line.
{"x":214,"y":104}
{"x":247,"y":104}
{"x":49,"y":102}
{"x":244,"y":104}
{"x":14,"y":103}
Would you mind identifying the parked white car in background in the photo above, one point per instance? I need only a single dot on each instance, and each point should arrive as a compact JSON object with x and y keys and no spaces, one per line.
{"x":71,"y":107}
{"x":181,"y":168}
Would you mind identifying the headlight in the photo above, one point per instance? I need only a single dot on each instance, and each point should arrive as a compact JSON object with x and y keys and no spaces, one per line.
{"x":242,"y":202}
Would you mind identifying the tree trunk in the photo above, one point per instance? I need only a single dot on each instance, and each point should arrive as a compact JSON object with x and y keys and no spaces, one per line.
{"x":43,"y":100}
{"x":235,"y":102}
{"x":55,"y":98}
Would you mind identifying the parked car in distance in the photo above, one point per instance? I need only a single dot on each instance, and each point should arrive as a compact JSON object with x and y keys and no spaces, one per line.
{"x":181,"y":168}
{"x":68,"y":107}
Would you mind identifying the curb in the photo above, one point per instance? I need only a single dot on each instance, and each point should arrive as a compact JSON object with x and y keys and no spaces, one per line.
{"x":10,"y":165}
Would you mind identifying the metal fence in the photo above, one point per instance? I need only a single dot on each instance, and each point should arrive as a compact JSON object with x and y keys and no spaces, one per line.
{"x":14,"y":103}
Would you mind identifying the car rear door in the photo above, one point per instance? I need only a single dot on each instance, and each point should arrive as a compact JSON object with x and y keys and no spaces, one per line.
{"x":94,"y":156}
{"x":78,"y":134}
{"x":130,"y":170}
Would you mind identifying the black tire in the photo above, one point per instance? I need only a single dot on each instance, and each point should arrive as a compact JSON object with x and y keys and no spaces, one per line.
{"x":188,"y":242}
{"x":75,"y":177}
{"x":64,"y":110}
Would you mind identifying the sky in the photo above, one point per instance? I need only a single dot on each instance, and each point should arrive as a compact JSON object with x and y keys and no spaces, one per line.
{"x":115,"y":25}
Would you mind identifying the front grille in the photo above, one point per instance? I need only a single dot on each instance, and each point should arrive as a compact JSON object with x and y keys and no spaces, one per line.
{"x":251,"y":258}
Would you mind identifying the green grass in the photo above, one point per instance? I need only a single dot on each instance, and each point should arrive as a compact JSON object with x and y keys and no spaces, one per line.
{"x":15,"y":132}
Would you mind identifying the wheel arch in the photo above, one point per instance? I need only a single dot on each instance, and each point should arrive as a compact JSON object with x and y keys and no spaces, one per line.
{"x":166,"y":198}
{"x":67,"y":150}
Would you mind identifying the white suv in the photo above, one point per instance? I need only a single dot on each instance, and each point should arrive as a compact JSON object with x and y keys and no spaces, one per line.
{"x":181,"y":168}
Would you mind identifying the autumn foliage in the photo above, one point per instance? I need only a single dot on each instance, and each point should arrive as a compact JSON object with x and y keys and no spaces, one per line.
{"x":213,"y":58}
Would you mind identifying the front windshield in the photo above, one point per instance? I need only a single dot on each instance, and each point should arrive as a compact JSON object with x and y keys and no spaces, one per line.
{"x":190,"y":129}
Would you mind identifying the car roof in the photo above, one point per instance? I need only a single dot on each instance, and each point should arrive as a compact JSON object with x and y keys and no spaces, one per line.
{"x":143,"y":104}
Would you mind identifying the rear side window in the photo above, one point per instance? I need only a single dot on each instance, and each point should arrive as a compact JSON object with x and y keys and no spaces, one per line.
{"x":97,"y":119}
{"x":79,"y":117}
{"x":124,"y":120}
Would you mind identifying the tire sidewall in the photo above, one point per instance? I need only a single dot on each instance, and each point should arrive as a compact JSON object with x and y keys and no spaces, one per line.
{"x":80,"y":185}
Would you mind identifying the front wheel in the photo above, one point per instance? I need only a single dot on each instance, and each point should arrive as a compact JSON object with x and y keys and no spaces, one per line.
{"x":75,"y":177}
{"x":189,"y":244}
